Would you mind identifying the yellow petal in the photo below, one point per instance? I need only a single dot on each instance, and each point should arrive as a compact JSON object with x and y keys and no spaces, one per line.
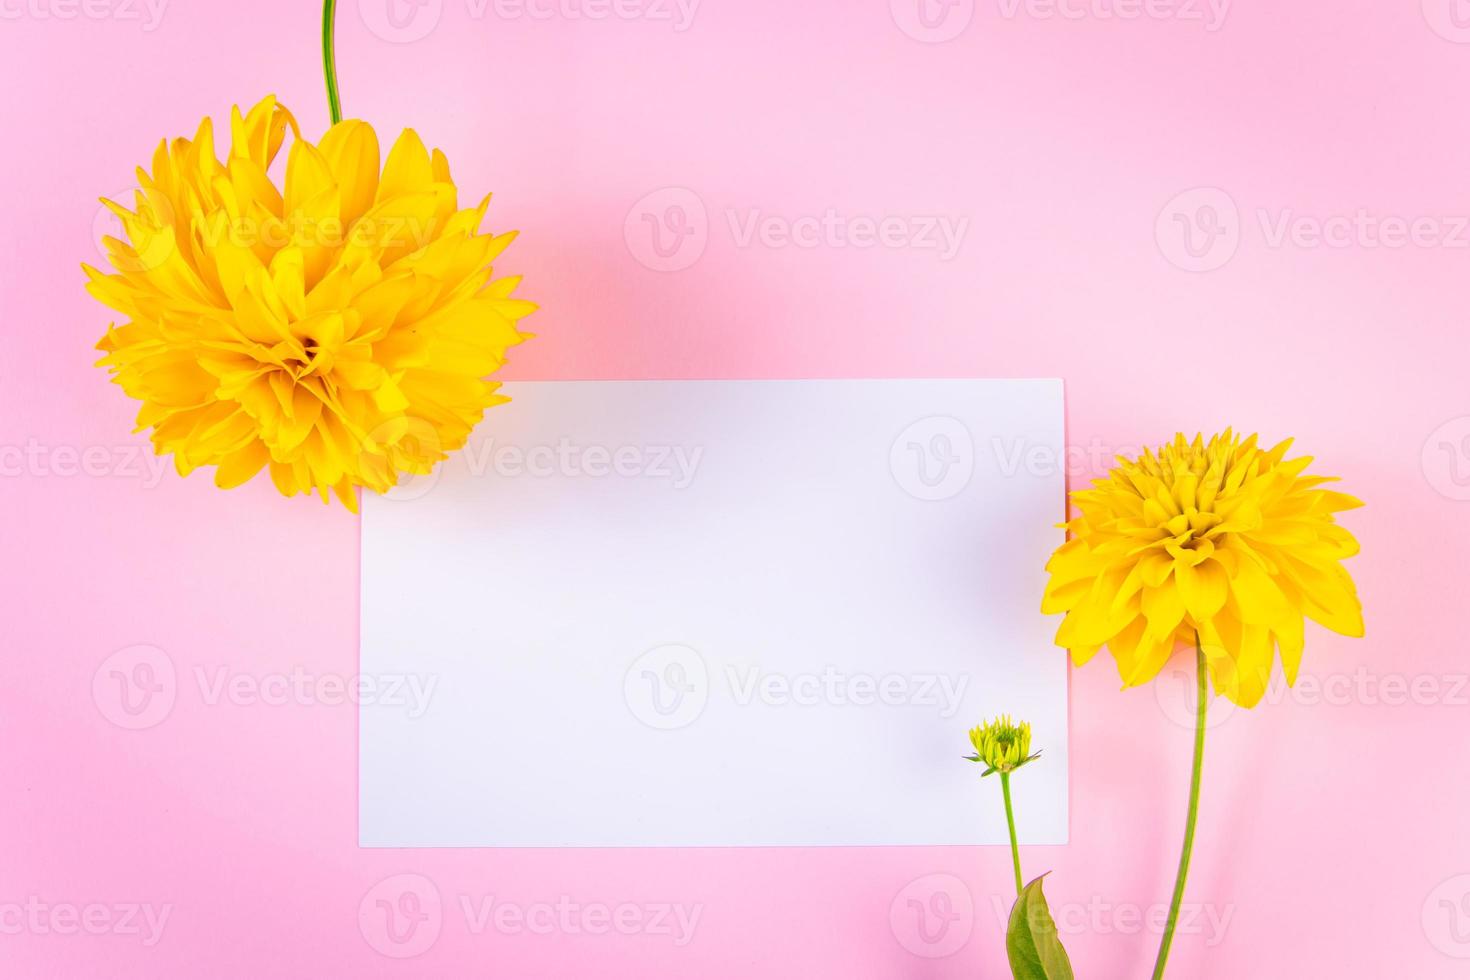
{"x":350,"y":149}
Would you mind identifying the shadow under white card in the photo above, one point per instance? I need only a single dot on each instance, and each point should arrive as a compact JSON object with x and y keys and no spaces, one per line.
{"x":710,"y":613}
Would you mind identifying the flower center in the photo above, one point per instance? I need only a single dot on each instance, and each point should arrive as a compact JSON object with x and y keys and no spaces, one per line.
{"x":308,"y":361}
{"x":1189,"y":532}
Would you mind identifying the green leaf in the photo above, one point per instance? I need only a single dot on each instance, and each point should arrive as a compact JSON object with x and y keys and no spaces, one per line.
{"x":1032,"y":945}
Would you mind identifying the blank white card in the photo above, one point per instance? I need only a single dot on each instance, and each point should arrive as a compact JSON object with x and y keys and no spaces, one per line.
{"x":717,"y":613}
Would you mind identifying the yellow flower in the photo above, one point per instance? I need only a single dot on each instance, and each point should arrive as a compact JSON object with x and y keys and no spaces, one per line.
{"x":1002,"y":745}
{"x":337,"y":330}
{"x":1223,"y":539}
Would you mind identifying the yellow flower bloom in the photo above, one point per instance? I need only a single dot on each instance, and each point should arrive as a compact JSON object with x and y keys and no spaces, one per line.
{"x":1223,"y":538}
{"x":1003,"y":745}
{"x":337,"y":330}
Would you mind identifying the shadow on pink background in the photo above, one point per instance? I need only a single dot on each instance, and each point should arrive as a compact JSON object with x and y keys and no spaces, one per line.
{"x":1252,"y":214}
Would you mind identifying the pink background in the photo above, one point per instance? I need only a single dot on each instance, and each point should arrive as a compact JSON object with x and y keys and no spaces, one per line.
{"x":1333,"y":830}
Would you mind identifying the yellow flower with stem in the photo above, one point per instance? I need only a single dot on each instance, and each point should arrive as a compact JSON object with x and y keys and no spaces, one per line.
{"x":335,"y":330}
{"x":1032,"y":945}
{"x":1004,"y":746}
{"x":1217,"y":545}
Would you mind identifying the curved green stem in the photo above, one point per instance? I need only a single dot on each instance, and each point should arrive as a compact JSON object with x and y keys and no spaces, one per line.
{"x":1199,"y":758}
{"x":329,"y":59}
{"x":1005,"y":790}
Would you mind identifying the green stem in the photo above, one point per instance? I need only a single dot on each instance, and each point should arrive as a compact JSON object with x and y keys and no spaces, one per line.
{"x":1005,"y":790}
{"x":329,"y":59}
{"x":1199,"y":758}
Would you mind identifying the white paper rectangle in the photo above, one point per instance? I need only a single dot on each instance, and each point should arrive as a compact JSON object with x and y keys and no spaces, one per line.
{"x":717,"y":613}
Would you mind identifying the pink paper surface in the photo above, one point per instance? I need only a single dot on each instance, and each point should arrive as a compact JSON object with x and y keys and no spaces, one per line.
{"x":1321,"y":152}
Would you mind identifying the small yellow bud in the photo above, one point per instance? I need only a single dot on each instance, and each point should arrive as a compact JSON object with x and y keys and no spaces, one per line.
{"x":1003,"y":745}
